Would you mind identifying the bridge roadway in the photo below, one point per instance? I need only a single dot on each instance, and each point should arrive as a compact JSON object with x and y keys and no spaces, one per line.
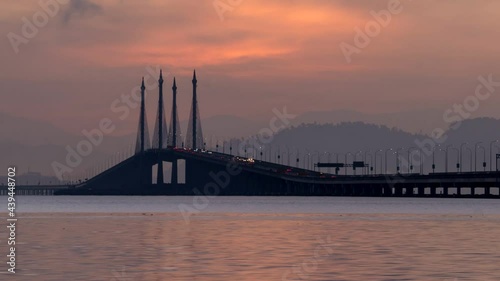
{"x":213,"y":173}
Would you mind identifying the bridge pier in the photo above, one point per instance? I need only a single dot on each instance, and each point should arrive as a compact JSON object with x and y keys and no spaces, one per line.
{"x":350,"y":190}
{"x":409,"y":191}
{"x":362,"y":190}
{"x":174,"y":179}
{"x":336,"y":190}
{"x":367,"y":190}
{"x":387,"y":191}
{"x":398,"y":191}
{"x":421,"y":191}
{"x":433,"y":191}
{"x":487,"y":191}
{"x":354,"y":190}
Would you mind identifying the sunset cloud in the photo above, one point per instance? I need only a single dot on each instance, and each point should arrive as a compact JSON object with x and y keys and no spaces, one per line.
{"x":279,"y":52}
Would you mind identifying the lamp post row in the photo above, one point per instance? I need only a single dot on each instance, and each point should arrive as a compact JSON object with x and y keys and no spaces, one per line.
{"x":309,"y":157}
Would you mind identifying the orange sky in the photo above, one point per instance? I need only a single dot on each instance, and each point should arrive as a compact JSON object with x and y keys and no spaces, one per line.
{"x":264,"y":54}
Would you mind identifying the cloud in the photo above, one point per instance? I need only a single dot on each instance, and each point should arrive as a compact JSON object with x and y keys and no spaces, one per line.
{"x":264,"y":54}
{"x":80,"y":8}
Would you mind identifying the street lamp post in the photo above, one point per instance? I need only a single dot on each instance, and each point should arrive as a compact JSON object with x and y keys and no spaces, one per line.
{"x":458,"y":157}
{"x":367,"y":170}
{"x":421,"y":161}
{"x":491,"y":154}
{"x":387,"y":150}
{"x":475,"y":155}
{"x":288,"y":155}
{"x":484,"y":158}
{"x":345,"y":162}
{"x":355,"y":159}
{"x":367,"y":153}
{"x":270,"y":154}
{"x":397,"y":158}
{"x":319,"y":159}
{"x":434,"y":158}
{"x":329,"y":160}
{"x":380,"y":150}
{"x":305,"y":165}
{"x":311,"y":164}
{"x":337,"y":168}
{"x":461,"y":153}
{"x":410,"y":160}
{"x":297,"y":156}
{"x":356,"y":156}
{"x":446,"y":157}
{"x":471,"y":156}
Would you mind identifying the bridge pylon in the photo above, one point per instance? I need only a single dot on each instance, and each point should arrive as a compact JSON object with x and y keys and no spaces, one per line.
{"x":142,"y":142}
{"x":174,"y":134}
{"x":194,"y":136}
{"x":160,"y":133}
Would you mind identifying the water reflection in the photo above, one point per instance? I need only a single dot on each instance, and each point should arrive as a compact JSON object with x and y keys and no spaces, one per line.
{"x":220,"y":246}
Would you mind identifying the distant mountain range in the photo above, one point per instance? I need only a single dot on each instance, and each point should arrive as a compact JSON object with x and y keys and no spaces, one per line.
{"x":418,"y":121}
{"x":322,"y":140}
{"x":34,"y":145}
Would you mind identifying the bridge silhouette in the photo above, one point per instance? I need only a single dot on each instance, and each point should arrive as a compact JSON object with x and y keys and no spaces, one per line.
{"x":208,"y":172}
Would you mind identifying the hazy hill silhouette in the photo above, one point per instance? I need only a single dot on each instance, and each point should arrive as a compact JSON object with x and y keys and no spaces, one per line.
{"x":355,"y":136}
{"x":343,"y":137}
{"x":411,"y":121}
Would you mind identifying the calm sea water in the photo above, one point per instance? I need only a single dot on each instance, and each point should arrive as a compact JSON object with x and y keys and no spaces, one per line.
{"x":255,"y":238}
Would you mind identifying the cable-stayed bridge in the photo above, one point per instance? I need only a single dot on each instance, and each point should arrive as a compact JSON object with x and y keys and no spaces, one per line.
{"x":168,"y":164}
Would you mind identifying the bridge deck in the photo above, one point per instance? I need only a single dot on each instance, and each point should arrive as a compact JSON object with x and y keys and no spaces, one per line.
{"x":256,"y":177}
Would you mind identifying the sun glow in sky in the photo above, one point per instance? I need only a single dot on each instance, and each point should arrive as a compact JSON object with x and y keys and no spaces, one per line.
{"x":263,"y":54}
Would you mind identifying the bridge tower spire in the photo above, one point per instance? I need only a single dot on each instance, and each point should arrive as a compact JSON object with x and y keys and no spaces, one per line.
{"x":174,"y":133}
{"x":194,"y":137}
{"x":142,"y":142}
{"x":160,"y":133}
{"x":195,"y":105}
